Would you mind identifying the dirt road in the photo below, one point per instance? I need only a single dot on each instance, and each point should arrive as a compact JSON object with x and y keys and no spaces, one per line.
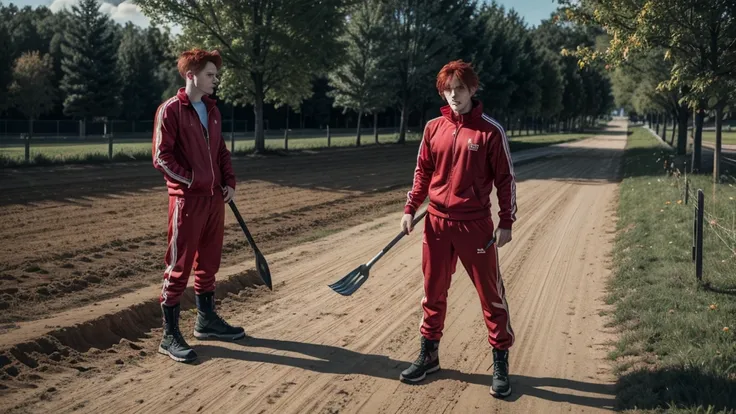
{"x":311,"y":350}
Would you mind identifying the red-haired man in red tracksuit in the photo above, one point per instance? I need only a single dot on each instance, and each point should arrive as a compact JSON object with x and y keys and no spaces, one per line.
{"x":463,"y":154}
{"x":189,"y":151}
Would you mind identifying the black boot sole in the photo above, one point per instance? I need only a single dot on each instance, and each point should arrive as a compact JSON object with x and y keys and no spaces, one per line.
{"x":418,"y":379}
{"x":174,"y":357}
{"x":206,"y":335}
{"x":499,"y":394}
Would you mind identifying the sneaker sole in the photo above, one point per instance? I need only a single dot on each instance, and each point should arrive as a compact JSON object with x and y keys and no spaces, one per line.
{"x":175,"y":358}
{"x":429,"y":371}
{"x":501,"y":395}
{"x":200,"y":335}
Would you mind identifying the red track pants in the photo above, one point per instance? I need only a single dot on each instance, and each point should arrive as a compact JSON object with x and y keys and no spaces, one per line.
{"x":444,"y":242}
{"x":196,"y":229}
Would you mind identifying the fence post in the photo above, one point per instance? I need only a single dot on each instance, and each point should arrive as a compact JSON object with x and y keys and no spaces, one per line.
{"x":687,"y":189}
{"x":699,"y":238}
{"x":695,"y":231}
{"x":328,"y":135}
{"x":27,"y":144}
{"x":109,"y":146}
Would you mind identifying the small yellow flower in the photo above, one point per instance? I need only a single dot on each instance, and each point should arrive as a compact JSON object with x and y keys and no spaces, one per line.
{"x":667,"y":202}
{"x":725,"y":329}
{"x":713,"y":307}
{"x":679,"y":201}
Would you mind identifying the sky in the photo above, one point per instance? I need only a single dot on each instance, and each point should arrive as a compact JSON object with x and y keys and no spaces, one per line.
{"x":533,"y":11}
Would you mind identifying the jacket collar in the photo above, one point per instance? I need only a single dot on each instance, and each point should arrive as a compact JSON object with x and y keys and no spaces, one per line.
{"x":181,"y":94}
{"x":475,"y":113}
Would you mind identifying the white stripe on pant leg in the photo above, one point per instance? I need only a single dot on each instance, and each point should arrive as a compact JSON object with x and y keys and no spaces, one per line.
{"x":421,"y":321}
{"x":502,"y":293}
{"x":172,"y":245}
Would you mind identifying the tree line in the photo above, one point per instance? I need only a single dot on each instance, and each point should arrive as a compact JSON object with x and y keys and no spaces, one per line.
{"x":361,"y":57}
{"x":673,"y":59}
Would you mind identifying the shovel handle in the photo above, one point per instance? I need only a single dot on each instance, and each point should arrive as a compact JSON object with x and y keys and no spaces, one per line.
{"x":242,"y":225}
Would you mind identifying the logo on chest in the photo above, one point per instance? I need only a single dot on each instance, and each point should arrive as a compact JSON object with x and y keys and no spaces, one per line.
{"x":471,"y":146}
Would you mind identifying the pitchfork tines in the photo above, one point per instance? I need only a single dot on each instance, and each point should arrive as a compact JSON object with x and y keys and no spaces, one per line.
{"x":355,"y":279}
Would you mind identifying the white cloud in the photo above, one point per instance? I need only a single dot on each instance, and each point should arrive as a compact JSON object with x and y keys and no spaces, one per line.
{"x":121,"y":12}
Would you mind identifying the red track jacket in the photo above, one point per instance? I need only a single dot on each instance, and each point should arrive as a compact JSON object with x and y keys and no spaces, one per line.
{"x":460,"y":159}
{"x":193,"y":162}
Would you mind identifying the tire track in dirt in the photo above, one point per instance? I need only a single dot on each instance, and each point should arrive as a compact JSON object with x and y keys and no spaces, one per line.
{"x":311,"y":350}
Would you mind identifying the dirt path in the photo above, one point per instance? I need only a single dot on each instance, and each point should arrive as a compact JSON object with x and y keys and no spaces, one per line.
{"x":311,"y":350}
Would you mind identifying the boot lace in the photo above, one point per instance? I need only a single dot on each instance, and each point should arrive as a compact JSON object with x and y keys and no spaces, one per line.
{"x":500,"y":367}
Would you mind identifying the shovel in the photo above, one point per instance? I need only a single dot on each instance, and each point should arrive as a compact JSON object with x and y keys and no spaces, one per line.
{"x":261,"y":263}
{"x":353,"y":280}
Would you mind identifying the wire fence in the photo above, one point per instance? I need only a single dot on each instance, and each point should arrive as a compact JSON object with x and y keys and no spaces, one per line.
{"x":713,"y":222}
{"x":713,"y":231}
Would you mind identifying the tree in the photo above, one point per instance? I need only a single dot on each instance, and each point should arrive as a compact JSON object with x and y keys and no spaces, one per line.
{"x":526,"y":98}
{"x":32,"y":89}
{"x":271,"y":49}
{"x":139,"y":91}
{"x":552,"y":86}
{"x":6,"y":67}
{"x":166,"y":75}
{"x":424,"y":35}
{"x":554,"y":38}
{"x":89,"y":63}
{"x":495,"y":60}
{"x":699,"y":37}
{"x":360,"y":81}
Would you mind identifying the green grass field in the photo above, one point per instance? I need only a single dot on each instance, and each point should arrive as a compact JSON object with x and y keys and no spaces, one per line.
{"x":728,"y":138}
{"x":127,"y":150}
{"x":677,"y":346}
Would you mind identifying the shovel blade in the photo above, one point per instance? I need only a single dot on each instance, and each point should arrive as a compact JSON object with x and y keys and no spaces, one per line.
{"x":351,"y":282}
{"x":263,"y":270}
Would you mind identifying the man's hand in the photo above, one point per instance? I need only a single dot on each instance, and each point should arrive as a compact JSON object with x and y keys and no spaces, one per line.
{"x":406,"y":223}
{"x":228,"y":193}
{"x":503,"y":236}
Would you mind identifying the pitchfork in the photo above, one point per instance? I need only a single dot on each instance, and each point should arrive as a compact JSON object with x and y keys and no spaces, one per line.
{"x":350,"y":283}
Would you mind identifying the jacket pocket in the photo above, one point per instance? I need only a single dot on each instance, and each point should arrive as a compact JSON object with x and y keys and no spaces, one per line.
{"x":201,"y":179}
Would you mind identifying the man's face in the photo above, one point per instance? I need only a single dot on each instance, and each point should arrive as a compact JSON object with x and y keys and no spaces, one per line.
{"x":206,"y":80}
{"x":458,"y":96}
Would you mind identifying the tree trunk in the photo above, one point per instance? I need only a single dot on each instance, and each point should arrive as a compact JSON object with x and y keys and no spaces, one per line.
{"x":232,"y":130}
{"x":682,"y":130}
{"x":357,"y":136}
{"x":698,"y":141}
{"x":375,"y":126}
{"x":675,"y":120}
{"x":404,"y":119}
{"x":717,"y":151}
{"x":260,"y":138}
{"x":286,"y":130}
{"x":664,"y":129}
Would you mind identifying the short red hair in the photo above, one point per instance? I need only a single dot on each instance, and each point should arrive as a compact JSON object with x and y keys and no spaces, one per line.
{"x":196,"y":59}
{"x":464,"y":71}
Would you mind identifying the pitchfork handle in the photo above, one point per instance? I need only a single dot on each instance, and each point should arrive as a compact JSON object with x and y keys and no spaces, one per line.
{"x":395,"y":240}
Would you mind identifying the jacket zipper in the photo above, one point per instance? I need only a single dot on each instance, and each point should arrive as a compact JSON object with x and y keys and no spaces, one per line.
{"x":452,"y":165}
{"x":206,"y":137}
